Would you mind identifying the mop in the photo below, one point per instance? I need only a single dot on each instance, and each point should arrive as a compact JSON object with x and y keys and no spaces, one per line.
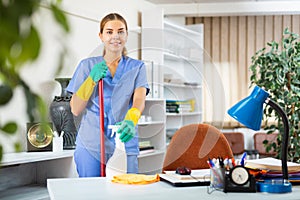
{"x":101,"y":117}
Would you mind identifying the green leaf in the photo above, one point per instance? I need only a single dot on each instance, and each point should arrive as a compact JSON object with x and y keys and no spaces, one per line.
{"x":20,"y":43}
{"x":18,"y":147}
{"x":291,"y":51}
{"x":30,"y":100}
{"x":10,"y":128}
{"x":286,"y":31}
{"x":60,"y":17}
{"x":6,"y":94}
{"x":274,"y":145}
{"x":30,"y":46}
{"x":1,"y":152}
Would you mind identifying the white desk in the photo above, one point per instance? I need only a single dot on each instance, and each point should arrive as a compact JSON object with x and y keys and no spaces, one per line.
{"x":100,"y":188}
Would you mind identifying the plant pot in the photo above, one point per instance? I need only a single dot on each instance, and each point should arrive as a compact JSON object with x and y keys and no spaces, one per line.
{"x":62,"y":117}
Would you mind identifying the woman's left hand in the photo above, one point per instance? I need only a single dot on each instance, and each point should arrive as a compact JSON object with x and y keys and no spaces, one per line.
{"x":126,"y":129}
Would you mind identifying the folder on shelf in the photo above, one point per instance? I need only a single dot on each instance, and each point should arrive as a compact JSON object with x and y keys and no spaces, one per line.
{"x":146,"y":147}
{"x":180,"y":106}
{"x":145,"y":150}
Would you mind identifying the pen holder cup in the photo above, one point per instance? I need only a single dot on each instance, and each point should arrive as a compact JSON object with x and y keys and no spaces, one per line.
{"x":217,"y":178}
{"x":57,"y":144}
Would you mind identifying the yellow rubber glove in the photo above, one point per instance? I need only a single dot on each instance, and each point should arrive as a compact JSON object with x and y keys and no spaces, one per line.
{"x":127,"y":126}
{"x":97,"y":73}
{"x":134,"y":115}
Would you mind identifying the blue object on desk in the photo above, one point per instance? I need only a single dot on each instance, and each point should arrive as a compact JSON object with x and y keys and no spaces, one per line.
{"x":243,"y":158}
{"x":249,"y":112}
{"x":274,"y":186}
{"x":211,"y":163}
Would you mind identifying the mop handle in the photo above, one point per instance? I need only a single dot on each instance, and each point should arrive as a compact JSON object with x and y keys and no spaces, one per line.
{"x":101,"y":117}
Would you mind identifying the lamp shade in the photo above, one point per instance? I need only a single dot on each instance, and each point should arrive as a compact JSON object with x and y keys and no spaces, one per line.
{"x":249,"y":111}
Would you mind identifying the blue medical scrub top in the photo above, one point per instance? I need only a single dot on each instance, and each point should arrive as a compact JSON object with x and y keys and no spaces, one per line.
{"x":118,"y":96}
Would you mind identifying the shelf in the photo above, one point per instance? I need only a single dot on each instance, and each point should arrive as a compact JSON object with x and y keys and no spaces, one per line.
{"x":149,"y":123}
{"x":24,"y":174}
{"x":154,"y":133}
{"x":182,"y":85}
{"x":27,"y":192}
{"x":171,"y":56}
{"x":183,"y":114}
{"x":154,"y":99}
{"x":180,"y":28}
{"x":137,"y":29}
{"x":155,"y":152}
{"x":29,"y":157}
{"x":177,"y":51}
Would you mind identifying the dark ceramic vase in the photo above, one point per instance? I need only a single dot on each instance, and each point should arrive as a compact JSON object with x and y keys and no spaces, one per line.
{"x":61,"y":115}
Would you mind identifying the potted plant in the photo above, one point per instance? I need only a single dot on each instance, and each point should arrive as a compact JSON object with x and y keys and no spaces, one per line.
{"x":278,"y":72}
{"x":20,"y":45}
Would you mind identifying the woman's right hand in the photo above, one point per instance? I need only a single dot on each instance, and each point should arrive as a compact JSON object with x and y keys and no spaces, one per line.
{"x":87,"y":87}
{"x":98,"y":71}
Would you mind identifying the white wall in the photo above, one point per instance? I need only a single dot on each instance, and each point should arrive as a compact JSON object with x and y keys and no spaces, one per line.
{"x":83,"y":41}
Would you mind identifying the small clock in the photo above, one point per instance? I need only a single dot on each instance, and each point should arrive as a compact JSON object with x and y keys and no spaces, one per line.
{"x":238,"y":179}
{"x":239,"y":175}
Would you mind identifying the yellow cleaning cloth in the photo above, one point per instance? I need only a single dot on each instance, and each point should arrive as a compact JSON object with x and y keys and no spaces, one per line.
{"x":136,"y":179}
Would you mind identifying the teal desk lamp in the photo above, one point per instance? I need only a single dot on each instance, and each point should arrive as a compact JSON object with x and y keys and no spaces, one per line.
{"x":249,"y":112}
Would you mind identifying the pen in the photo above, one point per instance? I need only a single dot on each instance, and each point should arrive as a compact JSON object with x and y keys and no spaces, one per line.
{"x":233,"y":162}
{"x":221,"y":161}
{"x":55,"y":134}
{"x":226,"y":163}
{"x":62,"y":134}
{"x":243,"y":158}
{"x":230,"y":164}
{"x":211,"y":163}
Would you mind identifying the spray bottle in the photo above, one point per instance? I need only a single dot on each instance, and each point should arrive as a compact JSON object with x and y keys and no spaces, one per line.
{"x":117,"y":164}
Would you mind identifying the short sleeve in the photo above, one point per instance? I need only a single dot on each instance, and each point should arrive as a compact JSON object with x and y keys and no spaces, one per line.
{"x":141,"y":79}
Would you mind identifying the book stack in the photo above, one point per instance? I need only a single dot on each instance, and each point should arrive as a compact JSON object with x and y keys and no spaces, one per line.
{"x":177,"y":106}
{"x":274,"y":170}
{"x":271,"y":164}
{"x":145,"y":147}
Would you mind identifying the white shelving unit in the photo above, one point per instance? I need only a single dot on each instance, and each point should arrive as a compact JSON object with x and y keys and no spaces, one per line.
{"x":154,"y":132}
{"x":177,"y":53}
{"x":24,"y":175}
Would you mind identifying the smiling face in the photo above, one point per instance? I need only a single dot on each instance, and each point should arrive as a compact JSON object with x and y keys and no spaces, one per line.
{"x":114,"y":36}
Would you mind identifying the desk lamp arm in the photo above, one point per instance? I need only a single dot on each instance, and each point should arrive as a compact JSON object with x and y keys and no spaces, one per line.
{"x":285,"y":137}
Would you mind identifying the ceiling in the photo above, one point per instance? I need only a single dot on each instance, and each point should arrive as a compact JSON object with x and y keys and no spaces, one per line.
{"x":227,"y":7}
{"x":205,"y":1}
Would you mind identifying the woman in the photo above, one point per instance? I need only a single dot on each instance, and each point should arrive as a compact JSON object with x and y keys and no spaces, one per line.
{"x":125,"y":88}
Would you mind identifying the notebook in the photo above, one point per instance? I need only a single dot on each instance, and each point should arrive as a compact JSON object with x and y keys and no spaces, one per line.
{"x":200,"y":177}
